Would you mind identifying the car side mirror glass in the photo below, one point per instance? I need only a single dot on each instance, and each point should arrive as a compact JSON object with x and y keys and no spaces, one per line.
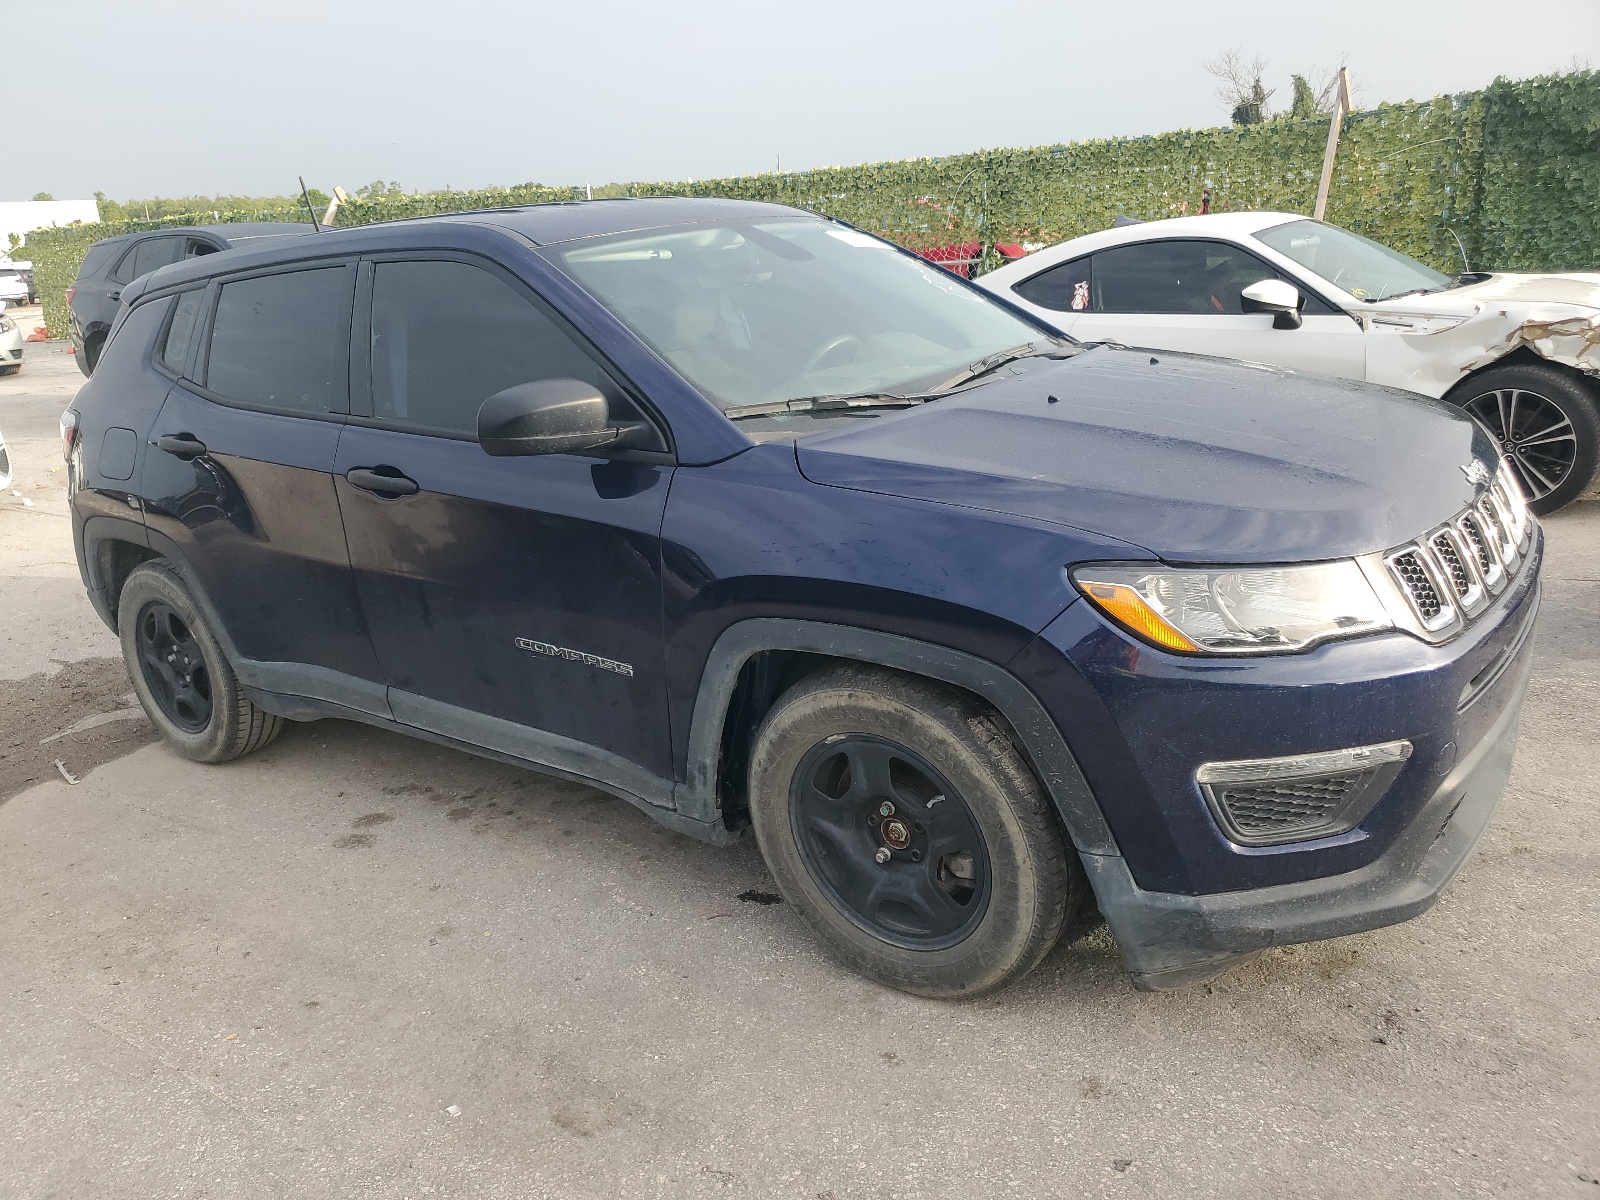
{"x":551,"y":416}
{"x":1273,"y":296}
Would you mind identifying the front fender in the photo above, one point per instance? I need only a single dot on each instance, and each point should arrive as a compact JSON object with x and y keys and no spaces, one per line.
{"x":1036,"y":734}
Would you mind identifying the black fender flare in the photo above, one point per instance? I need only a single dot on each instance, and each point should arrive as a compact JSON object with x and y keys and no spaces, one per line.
{"x":1036,"y":734}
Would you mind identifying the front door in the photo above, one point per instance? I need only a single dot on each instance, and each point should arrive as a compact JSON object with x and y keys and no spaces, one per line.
{"x":239,"y":476}
{"x":1184,"y":294}
{"x":514,"y":603}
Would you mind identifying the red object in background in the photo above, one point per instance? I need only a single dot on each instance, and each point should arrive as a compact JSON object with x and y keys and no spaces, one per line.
{"x":39,"y":334}
{"x":960,"y":258}
{"x":963,"y":256}
{"x":70,"y":290}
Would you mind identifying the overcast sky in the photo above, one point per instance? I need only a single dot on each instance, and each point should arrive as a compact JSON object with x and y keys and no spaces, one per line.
{"x":211,"y":96}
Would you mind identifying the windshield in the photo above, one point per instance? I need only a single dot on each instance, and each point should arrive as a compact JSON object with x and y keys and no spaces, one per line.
{"x":769,"y":311}
{"x":1349,"y":261}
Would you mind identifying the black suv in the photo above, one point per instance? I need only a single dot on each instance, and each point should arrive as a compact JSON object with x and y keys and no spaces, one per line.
{"x":112,"y":263}
{"x":758,"y":521}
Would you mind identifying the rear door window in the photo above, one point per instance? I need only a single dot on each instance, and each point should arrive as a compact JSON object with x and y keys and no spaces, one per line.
{"x":282,"y":342}
{"x":448,"y":335}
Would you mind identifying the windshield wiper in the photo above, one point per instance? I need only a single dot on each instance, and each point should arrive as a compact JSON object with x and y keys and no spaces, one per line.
{"x":1464,"y":279}
{"x":817,"y":404}
{"x":1060,"y":349}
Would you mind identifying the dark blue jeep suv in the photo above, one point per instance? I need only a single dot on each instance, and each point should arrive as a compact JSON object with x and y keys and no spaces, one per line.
{"x":757,"y":521}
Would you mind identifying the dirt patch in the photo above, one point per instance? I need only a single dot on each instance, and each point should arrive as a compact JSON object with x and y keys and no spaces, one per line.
{"x":90,"y":698}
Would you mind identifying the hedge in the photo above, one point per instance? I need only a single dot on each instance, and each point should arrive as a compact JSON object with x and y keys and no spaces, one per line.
{"x":1505,"y":178}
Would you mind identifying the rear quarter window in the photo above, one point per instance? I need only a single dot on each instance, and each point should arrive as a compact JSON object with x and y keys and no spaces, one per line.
{"x":99,"y":255}
{"x":1063,"y":287}
{"x":179,"y":337}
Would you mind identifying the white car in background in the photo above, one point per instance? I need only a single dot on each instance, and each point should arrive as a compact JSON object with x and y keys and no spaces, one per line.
{"x":1521,"y":353}
{"x":13,"y":287}
{"x":10,"y":344}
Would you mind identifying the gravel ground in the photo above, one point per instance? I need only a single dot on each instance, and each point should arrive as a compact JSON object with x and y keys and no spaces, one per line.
{"x":359,"y":965}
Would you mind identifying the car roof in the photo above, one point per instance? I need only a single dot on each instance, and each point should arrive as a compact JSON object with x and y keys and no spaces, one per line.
{"x":569,"y":220}
{"x":540,"y":224}
{"x":227,"y":231}
{"x":1229,"y":225}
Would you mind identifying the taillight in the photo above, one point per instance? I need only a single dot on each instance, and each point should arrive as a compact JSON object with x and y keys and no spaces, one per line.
{"x":69,"y":433}
{"x":70,"y":292}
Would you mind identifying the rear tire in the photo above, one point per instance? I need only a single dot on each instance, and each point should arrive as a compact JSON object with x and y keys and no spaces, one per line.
{"x":1544,"y":421}
{"x":975,"y":882}
{"x":180,"y":674}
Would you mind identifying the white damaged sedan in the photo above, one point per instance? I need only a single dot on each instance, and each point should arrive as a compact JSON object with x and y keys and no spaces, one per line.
{"x":1519,"y":352}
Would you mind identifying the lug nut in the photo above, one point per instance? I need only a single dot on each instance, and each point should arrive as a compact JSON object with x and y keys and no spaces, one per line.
{"x":886,"y":809}
{"x":882,"y":855}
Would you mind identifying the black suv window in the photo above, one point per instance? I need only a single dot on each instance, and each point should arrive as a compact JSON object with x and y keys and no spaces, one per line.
{"x":1192,"y":277}
{"x":180,"y":332}
{"x":283,"y":341}
{"x":149,"y":254}
{"x":448,"y":335}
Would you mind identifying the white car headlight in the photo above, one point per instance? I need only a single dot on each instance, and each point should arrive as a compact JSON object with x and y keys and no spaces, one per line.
{"x":1235,"y":610}
{"x":6,"y":326}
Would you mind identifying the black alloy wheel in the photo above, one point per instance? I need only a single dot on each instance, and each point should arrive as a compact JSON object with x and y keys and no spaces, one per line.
{"x":890,"y":841}
{"x":1534,"y":433}
{"x":174,"y":667}
{"x":1544,"y":421}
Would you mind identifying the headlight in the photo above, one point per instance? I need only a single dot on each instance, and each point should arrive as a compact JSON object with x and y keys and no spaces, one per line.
{"x":1235,"y":610}
{"x":6,"y":326}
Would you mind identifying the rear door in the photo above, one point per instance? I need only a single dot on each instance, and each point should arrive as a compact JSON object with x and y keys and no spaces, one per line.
{"x":513,"y":602}
{"x":1184,"y":294}
{"x":239,"y":478}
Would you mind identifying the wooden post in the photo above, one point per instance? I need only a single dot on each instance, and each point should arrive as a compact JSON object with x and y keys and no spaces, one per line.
{"x":1341,"y":106}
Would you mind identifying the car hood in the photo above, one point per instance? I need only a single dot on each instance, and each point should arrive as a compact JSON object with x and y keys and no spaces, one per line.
{"x":1194,"y":459}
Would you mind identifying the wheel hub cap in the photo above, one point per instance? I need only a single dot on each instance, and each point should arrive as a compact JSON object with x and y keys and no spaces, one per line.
{"x":173,"y":666}
{"x":889,"y":841}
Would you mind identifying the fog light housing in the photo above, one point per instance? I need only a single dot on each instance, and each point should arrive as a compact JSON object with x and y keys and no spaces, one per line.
{"x":1269,"y":801}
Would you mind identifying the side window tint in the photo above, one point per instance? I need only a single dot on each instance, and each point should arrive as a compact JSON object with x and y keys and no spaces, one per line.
{"x":283,"y":341}
{"x":1064,"y":287}
{"x":180,"y":331}
{"x":155,"y":252}
{"x":446,"y":336}
{"x":1195,"y":278}
{"x":123,"y":271}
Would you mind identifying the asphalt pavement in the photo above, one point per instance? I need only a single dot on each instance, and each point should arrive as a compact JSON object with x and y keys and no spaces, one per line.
{"x":360,"y":965}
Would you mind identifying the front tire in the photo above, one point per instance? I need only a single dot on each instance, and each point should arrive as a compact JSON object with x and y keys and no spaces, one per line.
{"x":180,"y":674}
{"x":1545,"y":422}
{"x":905,"y":828}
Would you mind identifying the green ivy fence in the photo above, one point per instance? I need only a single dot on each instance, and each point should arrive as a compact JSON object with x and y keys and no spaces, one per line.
{"x":1507,"y":178}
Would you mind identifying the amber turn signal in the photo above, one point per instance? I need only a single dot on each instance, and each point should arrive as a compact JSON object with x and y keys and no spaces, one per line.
{"x":1129,"y":609}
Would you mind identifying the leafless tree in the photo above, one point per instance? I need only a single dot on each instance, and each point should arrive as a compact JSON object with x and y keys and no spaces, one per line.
{"x":1240,"y":90}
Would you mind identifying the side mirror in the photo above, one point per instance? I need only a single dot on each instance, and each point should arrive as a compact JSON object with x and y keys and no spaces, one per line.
{"x":1273,"y":296}
{"x":550,"y":416}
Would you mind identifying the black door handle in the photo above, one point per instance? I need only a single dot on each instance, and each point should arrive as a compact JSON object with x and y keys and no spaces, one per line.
{"x":182,"y":445}
{"x":384,"y":481}
{"x":116,"y":295}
